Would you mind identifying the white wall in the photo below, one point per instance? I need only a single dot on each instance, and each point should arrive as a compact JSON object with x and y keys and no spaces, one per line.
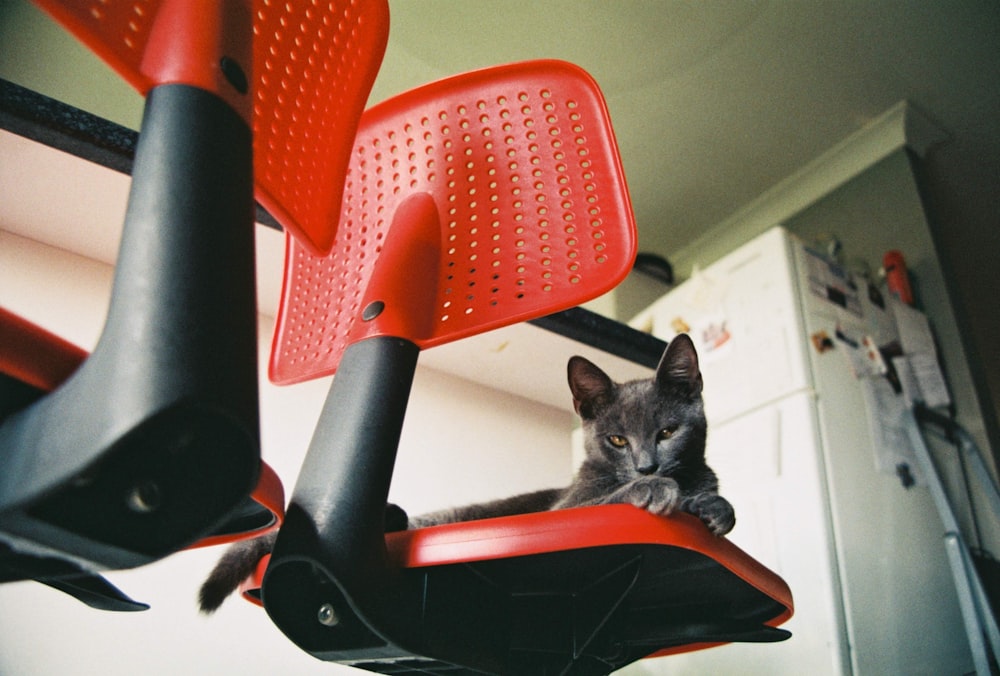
{"x":462,"y":442}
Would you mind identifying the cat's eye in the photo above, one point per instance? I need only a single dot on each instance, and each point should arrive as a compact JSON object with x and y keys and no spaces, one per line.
{"x":666,"y":432}
{"x":618,"y":441}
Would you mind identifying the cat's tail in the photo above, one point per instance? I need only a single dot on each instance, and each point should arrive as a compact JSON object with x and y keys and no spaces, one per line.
{"x":237,"y":564}
{"x":240,"y":561}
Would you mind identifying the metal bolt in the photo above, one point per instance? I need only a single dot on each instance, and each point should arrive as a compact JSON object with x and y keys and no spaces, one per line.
{"x":234,"y":74}
{"x":372,"y":310}
{"x":327,"y":616}
{"x":144,"y":497}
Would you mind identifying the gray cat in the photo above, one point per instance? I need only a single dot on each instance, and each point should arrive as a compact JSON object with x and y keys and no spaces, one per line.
{"x":645,"y":446}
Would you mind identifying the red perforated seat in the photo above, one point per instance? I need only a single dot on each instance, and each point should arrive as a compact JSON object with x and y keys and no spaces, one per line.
{"x":470,"y":203}
{"x":315,"y":63}
{"x":313,"y":66}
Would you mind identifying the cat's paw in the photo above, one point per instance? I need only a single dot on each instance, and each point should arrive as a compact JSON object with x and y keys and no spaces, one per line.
{"x":656,"y":494}
{"x":714,"y":510}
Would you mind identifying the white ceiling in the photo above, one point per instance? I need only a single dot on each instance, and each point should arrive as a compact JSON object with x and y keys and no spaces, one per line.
{"x":716,"y":101}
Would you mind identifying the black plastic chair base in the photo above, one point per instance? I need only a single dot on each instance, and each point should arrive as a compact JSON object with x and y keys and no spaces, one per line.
{"x":149,"y":495}
{"x":582,"y":612}
{"x":154,"y":440}
{"x":87,"y":587}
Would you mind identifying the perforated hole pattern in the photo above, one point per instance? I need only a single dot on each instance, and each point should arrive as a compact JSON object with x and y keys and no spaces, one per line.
{"x":535,"y":217}
{"x":314,"y":65}
{"x":314,"y":61}
{"x":130,"y":27}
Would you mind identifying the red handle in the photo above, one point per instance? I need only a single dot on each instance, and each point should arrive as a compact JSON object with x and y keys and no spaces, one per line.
{"x":896,"y":276}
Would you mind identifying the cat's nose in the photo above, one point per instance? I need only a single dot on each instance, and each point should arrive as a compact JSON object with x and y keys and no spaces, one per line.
{"x":647,"y":468}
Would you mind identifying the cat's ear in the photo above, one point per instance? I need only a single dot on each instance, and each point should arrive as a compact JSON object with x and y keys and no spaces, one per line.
{"x":679,"y":366}
{"x":590,"y":385}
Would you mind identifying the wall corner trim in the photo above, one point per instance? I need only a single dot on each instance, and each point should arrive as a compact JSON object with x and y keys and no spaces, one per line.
{"x":900,"y":126}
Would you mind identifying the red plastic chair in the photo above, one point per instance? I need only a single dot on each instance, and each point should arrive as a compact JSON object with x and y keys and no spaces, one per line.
{"x":478,"y":201}
{"x":152,"y":444}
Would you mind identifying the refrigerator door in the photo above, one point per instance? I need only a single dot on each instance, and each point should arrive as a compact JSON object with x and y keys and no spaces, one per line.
{"x":741,"y":312}
{"x":769,"y":468}
{"x":744,"y":314}
{"x":901,"y":607}
{"x":791,"y":438}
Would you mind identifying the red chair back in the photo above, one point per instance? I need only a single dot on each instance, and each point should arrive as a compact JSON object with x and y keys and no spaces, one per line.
{"x":471,"y":203}
{"x":312,"y":71}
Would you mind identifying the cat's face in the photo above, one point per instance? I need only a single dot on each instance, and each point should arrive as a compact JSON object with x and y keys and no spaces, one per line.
{"x":643,"y":427}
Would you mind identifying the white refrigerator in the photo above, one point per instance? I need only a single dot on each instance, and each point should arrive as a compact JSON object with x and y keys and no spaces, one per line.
{"x":792,"y":436}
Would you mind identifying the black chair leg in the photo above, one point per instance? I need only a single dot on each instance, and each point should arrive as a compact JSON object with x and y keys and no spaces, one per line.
{"x":332,"y":538}
{"x":155,"y":438}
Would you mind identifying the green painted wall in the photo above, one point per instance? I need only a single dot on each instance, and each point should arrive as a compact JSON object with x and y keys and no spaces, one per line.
{"x":38,"y":54}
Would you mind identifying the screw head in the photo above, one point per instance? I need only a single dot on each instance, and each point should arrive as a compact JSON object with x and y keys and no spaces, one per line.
{"x":144,"y":497}
{"x":327,"y":615}
{"x":372,"y":310}
{"x":234,"y":74}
